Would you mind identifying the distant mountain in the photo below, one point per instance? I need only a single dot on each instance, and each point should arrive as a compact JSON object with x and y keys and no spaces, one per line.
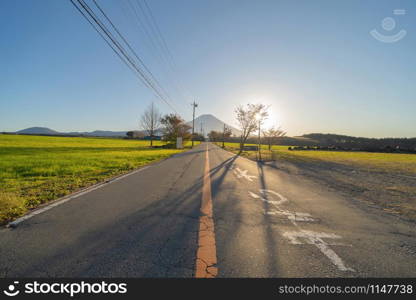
{"x":38,"y":130}
{"x":208,"y":123}
{"x":48,"y":131}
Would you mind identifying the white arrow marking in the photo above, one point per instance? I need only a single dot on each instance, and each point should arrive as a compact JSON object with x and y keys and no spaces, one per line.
{"x":243,"y":174}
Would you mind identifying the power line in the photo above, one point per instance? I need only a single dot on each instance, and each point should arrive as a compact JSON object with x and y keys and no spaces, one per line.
{"x":160,"y":41}
{"x":159,"y":34}
{"x":165,"y":44}
{"x":102,"y":36}
{"x":143,"y":29}
{"x":148,"y":82}
{"x":131,"y":49}
{"x":121,"y":52}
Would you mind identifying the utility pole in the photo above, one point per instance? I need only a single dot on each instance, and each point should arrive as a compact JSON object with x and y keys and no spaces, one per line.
{"x":223,"y":137}
{"x":194,"y":105}
{"x":259,"y":140}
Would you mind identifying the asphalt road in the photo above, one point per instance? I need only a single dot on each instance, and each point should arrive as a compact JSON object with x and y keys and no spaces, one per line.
{"x":266,"y":223}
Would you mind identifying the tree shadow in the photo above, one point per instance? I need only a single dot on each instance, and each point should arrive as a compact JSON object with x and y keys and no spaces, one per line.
{"x":231,"y":215}
{"x":159,"y":239}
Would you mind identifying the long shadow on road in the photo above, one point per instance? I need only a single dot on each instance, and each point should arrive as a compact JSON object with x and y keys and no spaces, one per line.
{"x":236,"y":218}
{"x":161,"y":238}
{"x":158,"y":240}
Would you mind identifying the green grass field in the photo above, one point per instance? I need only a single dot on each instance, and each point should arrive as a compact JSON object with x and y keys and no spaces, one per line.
{"x":37,"y":169}
{"x":389,"y":162}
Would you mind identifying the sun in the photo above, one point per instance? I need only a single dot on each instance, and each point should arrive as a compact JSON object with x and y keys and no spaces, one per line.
{"x":274,"y":108}
{"x":273,"y":120}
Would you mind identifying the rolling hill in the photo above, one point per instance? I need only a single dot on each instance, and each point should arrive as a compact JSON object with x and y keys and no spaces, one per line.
{"x":38,"y":130}
{"x":48,"y":131}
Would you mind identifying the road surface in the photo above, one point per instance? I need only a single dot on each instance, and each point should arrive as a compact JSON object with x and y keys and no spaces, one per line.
{"x":209,"y":213}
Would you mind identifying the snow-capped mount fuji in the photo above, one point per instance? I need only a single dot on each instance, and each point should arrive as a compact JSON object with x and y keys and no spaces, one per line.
{"x":206,"y":123}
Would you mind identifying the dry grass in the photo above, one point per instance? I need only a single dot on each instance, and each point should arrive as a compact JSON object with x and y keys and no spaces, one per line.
{"x":388,"y":162}
{"x":385,"y":179}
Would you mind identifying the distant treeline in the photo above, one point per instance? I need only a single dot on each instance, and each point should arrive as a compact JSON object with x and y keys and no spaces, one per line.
{"x":363,"y":144}
{"x":343,"y":142}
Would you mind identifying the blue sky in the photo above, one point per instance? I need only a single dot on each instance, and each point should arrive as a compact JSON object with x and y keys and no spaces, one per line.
{"x":314,"y":62}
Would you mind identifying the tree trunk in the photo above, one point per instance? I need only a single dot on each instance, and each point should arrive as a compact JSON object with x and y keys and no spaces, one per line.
{"x":242,"y":142}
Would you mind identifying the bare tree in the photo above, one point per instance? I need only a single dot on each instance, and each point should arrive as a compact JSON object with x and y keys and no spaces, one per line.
{"x":226,"y":133}
{"x":150,"y":121}
{"x":271,"y":135}
{"x":249,"y":118}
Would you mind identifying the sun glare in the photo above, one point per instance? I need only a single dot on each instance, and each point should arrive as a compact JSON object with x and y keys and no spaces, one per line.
{"x":274,"y":118}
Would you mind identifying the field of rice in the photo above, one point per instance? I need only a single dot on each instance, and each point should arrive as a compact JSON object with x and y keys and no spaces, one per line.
{"x":37,"y":169}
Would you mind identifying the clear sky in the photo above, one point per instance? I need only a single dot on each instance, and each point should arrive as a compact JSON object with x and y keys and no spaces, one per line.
{"x":313,"y":61}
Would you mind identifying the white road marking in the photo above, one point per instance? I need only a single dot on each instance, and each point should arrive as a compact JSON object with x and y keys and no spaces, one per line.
{"x":295,"y":237}
{"x":264,"y":192}
{"x":71,"y":196}
{"x":255,"y":196}
{"x":298,"y":218}
{"x":281,"y":197}
{"x":304,"y":236}
{"x":243,"y":174}
{"x":311,"y":237}
{"x":316,"y":238}
{"x":293,"y":216}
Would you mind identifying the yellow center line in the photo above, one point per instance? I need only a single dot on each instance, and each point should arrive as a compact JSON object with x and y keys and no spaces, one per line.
{"x":206,"y":256}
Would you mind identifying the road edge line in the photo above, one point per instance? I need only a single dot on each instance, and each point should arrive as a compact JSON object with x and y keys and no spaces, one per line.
{"x":51,"y":204}
{"x":74,"y":195}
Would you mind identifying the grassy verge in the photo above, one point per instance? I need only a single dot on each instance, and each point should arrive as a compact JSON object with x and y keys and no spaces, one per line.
{"x":388,"y":162}
{"x":37,"y":169}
